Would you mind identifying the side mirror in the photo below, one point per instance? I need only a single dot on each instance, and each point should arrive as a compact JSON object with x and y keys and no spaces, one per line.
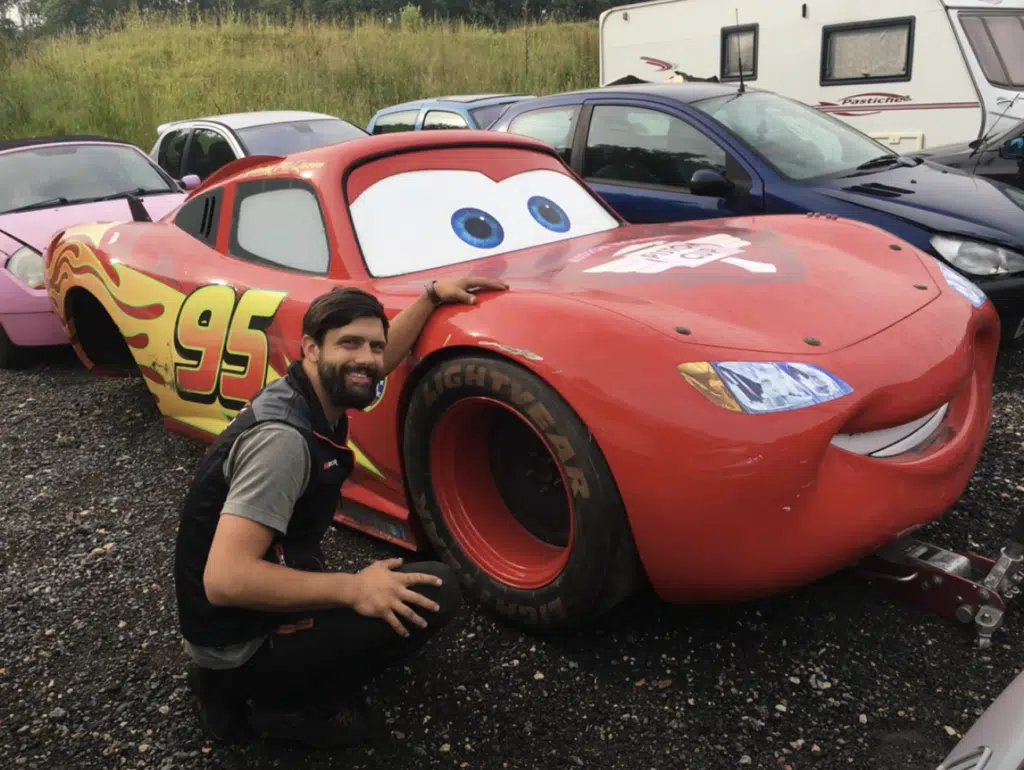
{"x":1013,"y":149}
{"x":190,"y":181}
{"x":711,"y":184}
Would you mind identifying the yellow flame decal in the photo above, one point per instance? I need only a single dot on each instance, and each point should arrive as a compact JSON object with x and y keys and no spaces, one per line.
{"x":212,"y":352}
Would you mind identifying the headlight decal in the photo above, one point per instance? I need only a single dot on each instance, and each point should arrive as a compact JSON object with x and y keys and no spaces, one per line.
{"x":763,"y":387}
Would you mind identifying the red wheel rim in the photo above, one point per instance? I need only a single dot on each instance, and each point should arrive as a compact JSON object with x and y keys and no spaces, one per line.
{"x":477,"y":512}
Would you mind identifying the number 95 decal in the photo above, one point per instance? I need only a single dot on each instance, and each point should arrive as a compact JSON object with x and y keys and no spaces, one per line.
{"x":221,"y":341}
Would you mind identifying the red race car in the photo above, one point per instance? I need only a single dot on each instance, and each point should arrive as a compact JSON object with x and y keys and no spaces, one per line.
{"x":725,"y":408}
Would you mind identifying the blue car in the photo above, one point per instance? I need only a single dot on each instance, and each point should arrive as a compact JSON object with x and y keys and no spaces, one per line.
{"x":685,"y":151}
{"x":468,"y":111}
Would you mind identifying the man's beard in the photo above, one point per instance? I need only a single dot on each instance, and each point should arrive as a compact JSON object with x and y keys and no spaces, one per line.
{"x":340,"y":393}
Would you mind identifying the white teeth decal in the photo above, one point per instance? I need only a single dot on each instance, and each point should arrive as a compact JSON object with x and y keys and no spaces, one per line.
{"x":889,"y":442}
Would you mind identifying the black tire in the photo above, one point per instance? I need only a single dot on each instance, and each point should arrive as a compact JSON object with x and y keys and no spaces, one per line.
{"x":11,"y":356}
{"x":602,"y":566}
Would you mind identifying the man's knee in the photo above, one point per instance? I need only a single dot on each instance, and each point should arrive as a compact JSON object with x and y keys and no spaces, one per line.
{"x":448,"y":595}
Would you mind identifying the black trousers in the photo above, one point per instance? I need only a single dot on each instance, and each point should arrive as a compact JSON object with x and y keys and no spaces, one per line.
{"x":322,"y":658}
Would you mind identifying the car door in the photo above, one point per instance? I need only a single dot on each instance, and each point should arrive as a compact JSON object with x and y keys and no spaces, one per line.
{"x":170,"y":151}
{"x":208,"y":150}
{"x":641,"y":157}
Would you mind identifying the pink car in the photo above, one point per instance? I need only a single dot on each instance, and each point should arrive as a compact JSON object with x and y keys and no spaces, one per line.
{"x":46,"y":185}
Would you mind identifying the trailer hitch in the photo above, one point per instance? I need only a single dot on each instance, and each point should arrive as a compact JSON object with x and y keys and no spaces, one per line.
{"x":965,"y":587}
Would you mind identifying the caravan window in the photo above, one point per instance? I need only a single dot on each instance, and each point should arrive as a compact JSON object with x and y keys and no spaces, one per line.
{"x":998,"y":41}
{"x":739,"y":43}
{"x":870,"y":52}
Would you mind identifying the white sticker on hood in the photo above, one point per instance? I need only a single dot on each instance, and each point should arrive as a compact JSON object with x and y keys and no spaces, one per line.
{"x":659,"y":256}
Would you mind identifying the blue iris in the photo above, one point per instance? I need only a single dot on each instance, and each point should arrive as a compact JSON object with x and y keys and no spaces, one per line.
{"x":477,"y":228}
{"x":549,"y":214}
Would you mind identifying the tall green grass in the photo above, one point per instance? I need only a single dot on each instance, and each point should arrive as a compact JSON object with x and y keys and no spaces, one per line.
{"x":127,"y":81}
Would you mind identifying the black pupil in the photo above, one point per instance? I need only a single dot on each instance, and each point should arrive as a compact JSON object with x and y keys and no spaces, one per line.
{"x":478,"y":227}
{"x":547,"y":211}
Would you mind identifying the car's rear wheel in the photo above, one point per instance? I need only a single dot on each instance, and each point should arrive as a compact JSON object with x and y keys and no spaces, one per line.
{"x":515,"y":495}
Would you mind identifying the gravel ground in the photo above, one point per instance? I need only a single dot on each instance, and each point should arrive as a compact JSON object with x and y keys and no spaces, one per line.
{"x":830,"y":676}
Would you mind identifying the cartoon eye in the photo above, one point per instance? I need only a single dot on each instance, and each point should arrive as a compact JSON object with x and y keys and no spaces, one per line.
{"x":549,"y":214}
{"x":477,"y":228}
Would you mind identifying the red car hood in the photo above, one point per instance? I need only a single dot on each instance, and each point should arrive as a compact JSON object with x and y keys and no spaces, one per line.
{"x":37,"y":227}
{"x":760,"y":284}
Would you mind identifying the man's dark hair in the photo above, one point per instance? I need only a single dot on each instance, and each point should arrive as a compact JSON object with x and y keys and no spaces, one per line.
{"x":340,"y":307}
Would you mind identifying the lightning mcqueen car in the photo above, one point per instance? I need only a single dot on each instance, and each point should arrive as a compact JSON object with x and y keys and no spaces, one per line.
{"x":724,"y":409}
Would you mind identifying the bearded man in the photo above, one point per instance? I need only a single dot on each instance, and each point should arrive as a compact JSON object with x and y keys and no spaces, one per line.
{"x":279,"y":646}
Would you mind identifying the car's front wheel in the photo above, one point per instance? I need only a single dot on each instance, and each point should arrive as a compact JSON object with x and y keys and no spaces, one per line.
{"x":11,"y":355}
{"x":515,"y":495}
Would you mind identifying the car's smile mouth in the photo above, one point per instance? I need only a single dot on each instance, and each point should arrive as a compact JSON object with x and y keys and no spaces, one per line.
{"x":897,"y":440}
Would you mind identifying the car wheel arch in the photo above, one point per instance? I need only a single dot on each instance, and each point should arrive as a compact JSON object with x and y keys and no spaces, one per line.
{"x":97,"y":339}
{"x":439,"y":355}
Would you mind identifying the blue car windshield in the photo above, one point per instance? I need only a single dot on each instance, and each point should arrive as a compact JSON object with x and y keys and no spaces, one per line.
{"x":798,"y":141}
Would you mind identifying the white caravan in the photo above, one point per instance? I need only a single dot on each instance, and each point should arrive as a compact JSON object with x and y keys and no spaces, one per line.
{"x":911,"y":73}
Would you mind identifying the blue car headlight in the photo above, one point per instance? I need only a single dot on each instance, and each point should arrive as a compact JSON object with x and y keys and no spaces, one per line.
{"x":962,"y":286}
{"x":763,"y":387}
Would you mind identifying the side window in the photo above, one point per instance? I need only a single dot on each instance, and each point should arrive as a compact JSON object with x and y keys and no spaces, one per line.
{"x":172,"y":147}
{"x":280,"y":222}
{"x":867,"y":52}
{"x":439,"y":119}
{"x":739,"y":45}
{"x":484,"y":117}
{"x":998,"y":42}
{"x":634,"y":145}
{"x":395,"y":122}
{"x":207,"y":152}
{"x":555,"y":126}
{"x":200,"y":217}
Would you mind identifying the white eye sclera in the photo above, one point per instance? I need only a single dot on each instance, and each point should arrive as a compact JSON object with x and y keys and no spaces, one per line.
{"x":419,"y":220}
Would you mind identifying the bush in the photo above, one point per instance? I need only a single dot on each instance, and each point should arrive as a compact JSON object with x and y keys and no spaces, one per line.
{"x":411,"y":18}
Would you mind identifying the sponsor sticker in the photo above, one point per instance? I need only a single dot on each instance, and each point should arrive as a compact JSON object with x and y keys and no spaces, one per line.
{"x":660,"y":256}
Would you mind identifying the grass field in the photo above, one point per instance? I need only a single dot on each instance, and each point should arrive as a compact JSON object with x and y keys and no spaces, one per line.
{"x":126,"y":82}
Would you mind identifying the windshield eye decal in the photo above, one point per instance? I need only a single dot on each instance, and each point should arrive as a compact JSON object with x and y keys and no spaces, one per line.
{"x":478,"y":228}
{"x":423,"y":219}
{"x":549,"y":214}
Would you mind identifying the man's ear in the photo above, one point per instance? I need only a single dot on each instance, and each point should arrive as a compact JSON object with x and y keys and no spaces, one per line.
{"x":310,"y":350}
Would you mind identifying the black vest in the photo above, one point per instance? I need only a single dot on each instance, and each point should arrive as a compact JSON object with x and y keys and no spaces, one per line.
{"x":291,"y":400}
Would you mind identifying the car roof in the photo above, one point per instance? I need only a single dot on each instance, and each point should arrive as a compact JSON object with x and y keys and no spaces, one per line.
{"x":240,"y":120}
{"x":471,"y":100}
{"x":467,"y":98}
{"x":686,"y":93}
{"x":335,"y":158}
{"x":35,"y":141}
